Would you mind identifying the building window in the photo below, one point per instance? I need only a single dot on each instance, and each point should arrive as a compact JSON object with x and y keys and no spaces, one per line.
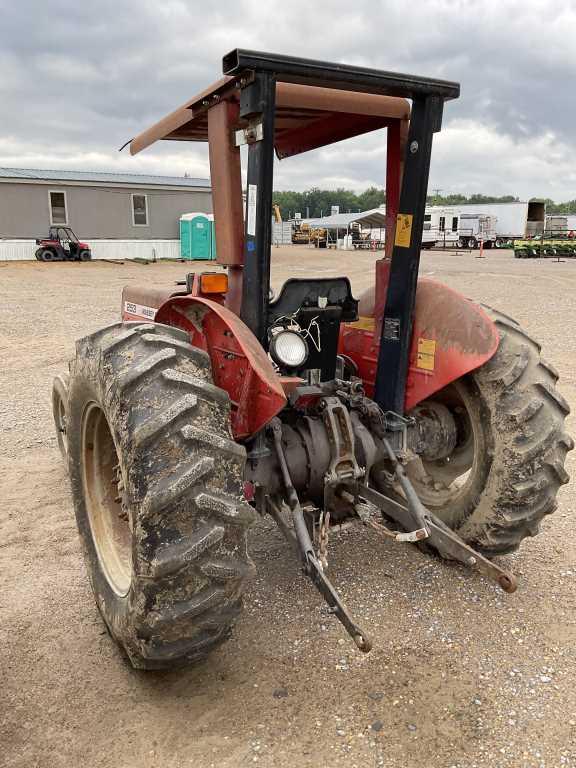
{"x":140,"y":210}
{"x":58,"y":212}
{"x":455,"y":224}
{"x":442,"y":224}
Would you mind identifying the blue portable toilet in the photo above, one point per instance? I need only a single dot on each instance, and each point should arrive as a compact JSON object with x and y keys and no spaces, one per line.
{"x":197,"y":236}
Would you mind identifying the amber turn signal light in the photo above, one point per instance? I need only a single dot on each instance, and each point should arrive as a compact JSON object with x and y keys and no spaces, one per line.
{"x":213,"y":282}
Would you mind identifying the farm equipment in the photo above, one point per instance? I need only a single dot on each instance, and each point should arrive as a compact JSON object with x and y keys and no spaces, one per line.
{"x":62,"y":245}
{"x":304,"y":234}
{"x":412,"y":411}
{"x":545,"y":248}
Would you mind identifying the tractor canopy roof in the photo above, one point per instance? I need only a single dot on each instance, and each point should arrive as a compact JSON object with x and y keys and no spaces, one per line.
{"x":306,"y":117}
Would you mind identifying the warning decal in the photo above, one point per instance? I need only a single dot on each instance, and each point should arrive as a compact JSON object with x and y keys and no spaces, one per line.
{"x":426,"y":354}
{"x":403,"y":230}
{"x":363,"y":324}
{"x":251,"y":212}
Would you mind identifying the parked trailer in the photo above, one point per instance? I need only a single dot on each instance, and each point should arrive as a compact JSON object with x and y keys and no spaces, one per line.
{"x":452,"y":227}
{"x":514,"y":220}
{"x":556,"y":224}
{"x":559,"y":224}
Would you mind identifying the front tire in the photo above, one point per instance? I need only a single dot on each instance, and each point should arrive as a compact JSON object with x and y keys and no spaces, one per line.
{"x":506,"y":469}
{"x":157,"y":482}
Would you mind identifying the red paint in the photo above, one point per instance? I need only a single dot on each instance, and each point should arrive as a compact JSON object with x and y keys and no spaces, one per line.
{"x":304,"y":402}
{"x":249,"y":491}
{"x":239,"y":364}
{"x":326,"y":130}
{"x":465,"y":336}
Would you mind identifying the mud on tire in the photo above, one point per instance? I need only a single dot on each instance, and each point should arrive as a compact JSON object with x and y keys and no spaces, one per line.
{"x":157,"y":482}
{"x":516,"y":421}
{"x":525,"y":415}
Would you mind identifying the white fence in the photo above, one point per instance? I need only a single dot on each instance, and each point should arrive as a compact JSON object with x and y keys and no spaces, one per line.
{"x":23,"y":250}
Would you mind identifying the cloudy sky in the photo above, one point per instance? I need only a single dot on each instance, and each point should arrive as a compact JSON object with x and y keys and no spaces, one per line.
{"x":77,"y":79}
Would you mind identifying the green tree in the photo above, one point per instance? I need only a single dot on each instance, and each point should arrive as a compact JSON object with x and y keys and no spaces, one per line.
{"x":318,"y":201}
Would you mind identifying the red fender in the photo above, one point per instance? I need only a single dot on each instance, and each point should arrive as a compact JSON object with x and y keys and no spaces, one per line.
{"x":239,"y":363}
{"x":452,"y":336}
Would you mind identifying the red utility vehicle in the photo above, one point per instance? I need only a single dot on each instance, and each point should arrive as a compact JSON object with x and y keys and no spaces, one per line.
{"x":62,"y":245}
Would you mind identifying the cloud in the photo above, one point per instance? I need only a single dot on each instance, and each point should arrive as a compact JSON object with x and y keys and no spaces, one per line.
{"x":79,"y":79}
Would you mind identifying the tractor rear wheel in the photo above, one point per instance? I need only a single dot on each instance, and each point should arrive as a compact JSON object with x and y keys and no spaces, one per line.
{"x":157,"y":482}
{"x":505,"y":471}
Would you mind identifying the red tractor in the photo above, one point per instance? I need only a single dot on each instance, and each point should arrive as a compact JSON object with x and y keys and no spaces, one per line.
{"x":62,"y":245}
{"x":413,"y":410}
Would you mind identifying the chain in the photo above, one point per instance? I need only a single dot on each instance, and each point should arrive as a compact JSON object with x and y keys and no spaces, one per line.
{"x":323,"y":534}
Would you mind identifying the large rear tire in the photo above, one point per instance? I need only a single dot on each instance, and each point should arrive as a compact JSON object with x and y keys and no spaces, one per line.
{"x":157,"y":482}
{"x":505,"y":471}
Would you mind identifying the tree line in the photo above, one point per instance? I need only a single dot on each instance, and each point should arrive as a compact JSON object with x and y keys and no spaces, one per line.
{"x":316,"y":202}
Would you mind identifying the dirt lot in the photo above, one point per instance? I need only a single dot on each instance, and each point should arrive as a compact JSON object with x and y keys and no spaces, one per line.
{"x":461,"y":674}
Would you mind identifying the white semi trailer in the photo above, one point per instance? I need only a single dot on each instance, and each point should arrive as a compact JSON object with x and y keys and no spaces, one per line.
{"x":511,"y":220}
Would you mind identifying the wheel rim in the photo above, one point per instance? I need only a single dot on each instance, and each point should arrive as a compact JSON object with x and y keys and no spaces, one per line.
{"x":103,"y":490}
{"x":61,"y":425}
{"x":442,"y":484}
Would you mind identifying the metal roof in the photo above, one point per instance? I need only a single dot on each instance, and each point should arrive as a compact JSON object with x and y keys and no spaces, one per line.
{"x":99,"y":177}
{"x":306,"y":117}
{"x":376,"y":217}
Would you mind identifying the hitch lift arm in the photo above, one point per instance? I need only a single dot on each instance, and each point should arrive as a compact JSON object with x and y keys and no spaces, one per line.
{"x":311,"y":565}
{"x":448,"y":543}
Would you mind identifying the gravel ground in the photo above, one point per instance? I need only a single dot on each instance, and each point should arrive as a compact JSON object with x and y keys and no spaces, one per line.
{"x":461,"y":675}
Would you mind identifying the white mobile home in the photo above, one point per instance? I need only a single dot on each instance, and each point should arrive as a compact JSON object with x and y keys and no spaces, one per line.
{"x":451,"y":226}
